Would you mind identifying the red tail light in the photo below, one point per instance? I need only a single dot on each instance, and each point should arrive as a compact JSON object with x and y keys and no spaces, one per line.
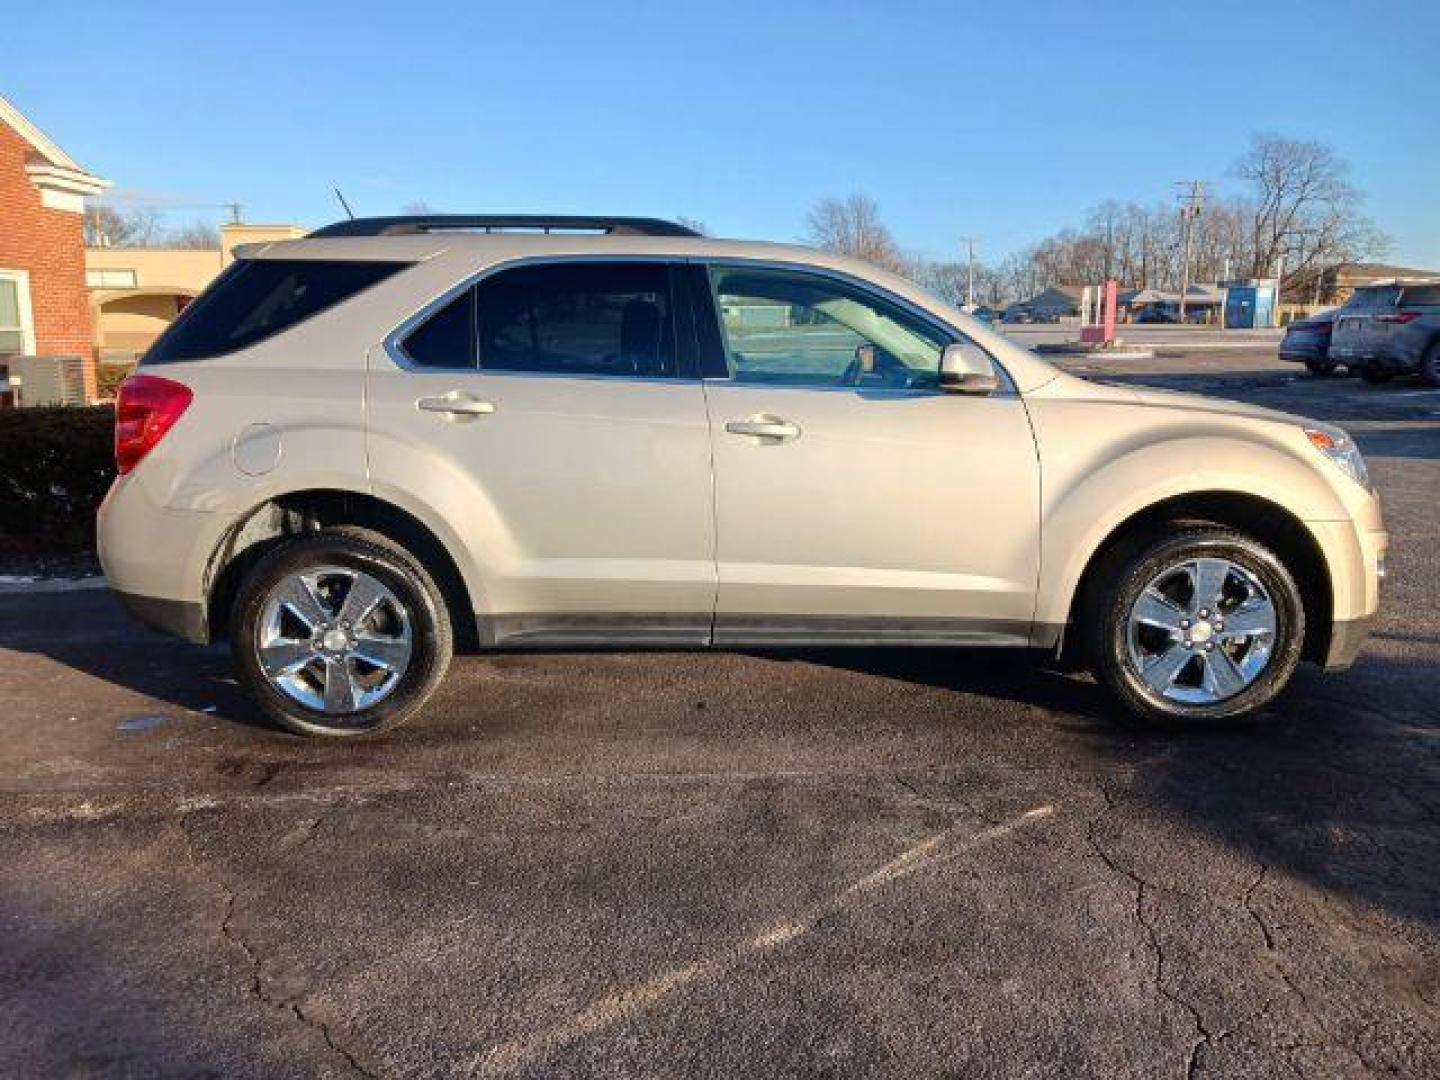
{"x":145,"y":409}
{"x":1399,"y":317}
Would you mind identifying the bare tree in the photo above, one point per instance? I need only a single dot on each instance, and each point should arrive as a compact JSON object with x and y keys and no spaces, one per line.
{"x":419,"y":208}
{"x":1302,"y":207}
{"x":106,"y":226}
{"x":197,"y":236}
{"x":852,"y":226}
{"x":693,"y":224}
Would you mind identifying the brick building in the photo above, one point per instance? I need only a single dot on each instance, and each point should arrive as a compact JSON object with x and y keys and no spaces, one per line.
{"x":44,"y":304}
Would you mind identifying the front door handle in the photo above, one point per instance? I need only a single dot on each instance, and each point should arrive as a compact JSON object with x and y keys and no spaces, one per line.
{"x":456,"y":405}
{"x":765,"y":427}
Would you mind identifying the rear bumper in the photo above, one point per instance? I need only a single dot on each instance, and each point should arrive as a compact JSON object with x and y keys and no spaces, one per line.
{"x":1398,"y":362}
{"x":157,"y":558}
{"x":179,"y":618}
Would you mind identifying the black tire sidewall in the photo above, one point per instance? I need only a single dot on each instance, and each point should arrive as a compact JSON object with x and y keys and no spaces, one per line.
{"x":1110,"y":650}
{"x":1430,"y":365}
{"x":430,"y":629}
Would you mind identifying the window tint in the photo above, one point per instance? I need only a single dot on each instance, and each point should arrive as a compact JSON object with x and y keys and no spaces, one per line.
{"x":1372,"y":296}
{"x":578,"y":319}
{"x":257,"y":298}
{"x":792,"y":328}
{"x":447,"y":338}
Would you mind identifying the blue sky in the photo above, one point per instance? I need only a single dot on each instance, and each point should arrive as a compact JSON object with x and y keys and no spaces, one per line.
{"x":1003,"y":121}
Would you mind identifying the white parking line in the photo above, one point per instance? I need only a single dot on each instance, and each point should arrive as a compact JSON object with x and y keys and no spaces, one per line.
{"x":608,"y":1011}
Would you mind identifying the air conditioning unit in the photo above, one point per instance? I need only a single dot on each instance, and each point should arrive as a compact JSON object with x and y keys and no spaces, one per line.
{"x":43,"y":381}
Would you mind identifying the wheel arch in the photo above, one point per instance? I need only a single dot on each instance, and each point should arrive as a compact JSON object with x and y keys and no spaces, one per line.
{"x":295,"y":513}
{"x":1264,"y":520}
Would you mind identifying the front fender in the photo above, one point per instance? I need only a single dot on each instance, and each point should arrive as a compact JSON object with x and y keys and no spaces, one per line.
{"x":1087,"y":496}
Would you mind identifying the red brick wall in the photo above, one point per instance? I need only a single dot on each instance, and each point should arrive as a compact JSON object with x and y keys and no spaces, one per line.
{"x":50,"y":244}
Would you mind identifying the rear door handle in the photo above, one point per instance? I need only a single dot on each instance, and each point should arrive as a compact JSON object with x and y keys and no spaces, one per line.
{"x":765,"y":427}
{"x":456,"y":405}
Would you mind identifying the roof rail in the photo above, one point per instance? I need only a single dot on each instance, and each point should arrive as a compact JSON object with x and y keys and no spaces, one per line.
{"x":416,"y":224}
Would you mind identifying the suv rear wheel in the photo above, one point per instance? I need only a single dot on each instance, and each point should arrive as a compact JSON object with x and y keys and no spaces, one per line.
{"x":1202,"y":624}
{"x":1430,"y":365}
{"x":340,"y":633}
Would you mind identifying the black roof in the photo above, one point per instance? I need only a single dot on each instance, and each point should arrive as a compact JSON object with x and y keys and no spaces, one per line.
{"x":416,"y":224}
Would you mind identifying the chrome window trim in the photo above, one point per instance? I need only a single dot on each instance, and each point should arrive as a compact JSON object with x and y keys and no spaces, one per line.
{"x":1007,"y":387}
{"x":394,"y":348}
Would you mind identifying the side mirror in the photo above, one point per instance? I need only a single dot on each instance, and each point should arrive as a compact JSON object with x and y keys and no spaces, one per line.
{"x":966,"y":368}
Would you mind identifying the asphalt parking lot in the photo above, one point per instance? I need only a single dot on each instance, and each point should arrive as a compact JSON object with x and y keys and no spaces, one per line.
{"x":824,"y":863}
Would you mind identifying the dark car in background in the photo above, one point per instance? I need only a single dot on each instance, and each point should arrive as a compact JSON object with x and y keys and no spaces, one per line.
{"x":1389,"y":329}
{"x":1307,"y":341}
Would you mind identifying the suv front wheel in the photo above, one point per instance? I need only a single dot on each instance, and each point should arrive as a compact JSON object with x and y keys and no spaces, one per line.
{"x":340,"y":633}
{"x":1202,"y":624}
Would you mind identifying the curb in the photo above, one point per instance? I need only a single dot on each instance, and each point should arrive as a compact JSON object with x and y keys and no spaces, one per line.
{"x":9,"y":584}
{"x":1078,"y":352}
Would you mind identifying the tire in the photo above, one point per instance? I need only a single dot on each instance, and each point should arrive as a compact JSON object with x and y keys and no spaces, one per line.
{"x":358,"y":678}
{"x":1118,"y":648}
{"x":1375,"y":376}
{"x":1320,"y":366}
{"x":1430,"y":365}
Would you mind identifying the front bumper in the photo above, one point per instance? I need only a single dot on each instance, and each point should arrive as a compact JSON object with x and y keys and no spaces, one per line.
{"x":178,"y":618}
{"x":1355,"y":554}
{"x":1346,"y":637}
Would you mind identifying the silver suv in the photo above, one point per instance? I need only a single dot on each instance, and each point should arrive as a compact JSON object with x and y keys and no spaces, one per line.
{"x":361,"y":450}
{"x":1389,"y":329}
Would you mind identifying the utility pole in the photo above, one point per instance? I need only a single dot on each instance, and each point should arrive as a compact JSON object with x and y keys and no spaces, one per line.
{"x":234,"y":208}
{"x":970,"y":271}
{"x":1189,"y":211}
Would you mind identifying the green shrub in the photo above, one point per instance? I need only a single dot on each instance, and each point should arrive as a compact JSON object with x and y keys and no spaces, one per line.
{"x":55,"y":467}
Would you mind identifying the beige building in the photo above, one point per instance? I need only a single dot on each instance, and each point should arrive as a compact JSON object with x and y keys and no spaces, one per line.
{"x":135,"y":293}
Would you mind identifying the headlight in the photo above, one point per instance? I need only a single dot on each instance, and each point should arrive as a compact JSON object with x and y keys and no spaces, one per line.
{"x":1341,"y":449}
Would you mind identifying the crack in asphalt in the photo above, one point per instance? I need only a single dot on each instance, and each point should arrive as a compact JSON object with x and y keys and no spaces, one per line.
{"x":257,"y":990}
{"x":1153,"y":936}
{"x":1274,"y":953}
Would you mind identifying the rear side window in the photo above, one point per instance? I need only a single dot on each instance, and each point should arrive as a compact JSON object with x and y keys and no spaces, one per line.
{"x":256,"y":299}
{"x":1421,"y":296}
{"x":578,"y":319}
{"x":1370,"y":297}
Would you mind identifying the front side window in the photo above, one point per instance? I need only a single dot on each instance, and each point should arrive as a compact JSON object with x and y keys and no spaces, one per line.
{"x":578,"y":319}
{"x":791,"y":328}
{"x":255,"y":299}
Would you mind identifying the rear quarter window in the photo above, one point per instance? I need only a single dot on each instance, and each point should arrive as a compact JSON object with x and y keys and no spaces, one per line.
{"x":255,"y":299}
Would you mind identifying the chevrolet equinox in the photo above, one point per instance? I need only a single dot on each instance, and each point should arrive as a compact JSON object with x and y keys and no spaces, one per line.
{"x":361,"y":450}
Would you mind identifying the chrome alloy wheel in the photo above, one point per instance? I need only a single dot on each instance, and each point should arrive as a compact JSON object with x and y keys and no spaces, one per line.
{"x":1201,"y":631}
{"x":334,"y":639}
